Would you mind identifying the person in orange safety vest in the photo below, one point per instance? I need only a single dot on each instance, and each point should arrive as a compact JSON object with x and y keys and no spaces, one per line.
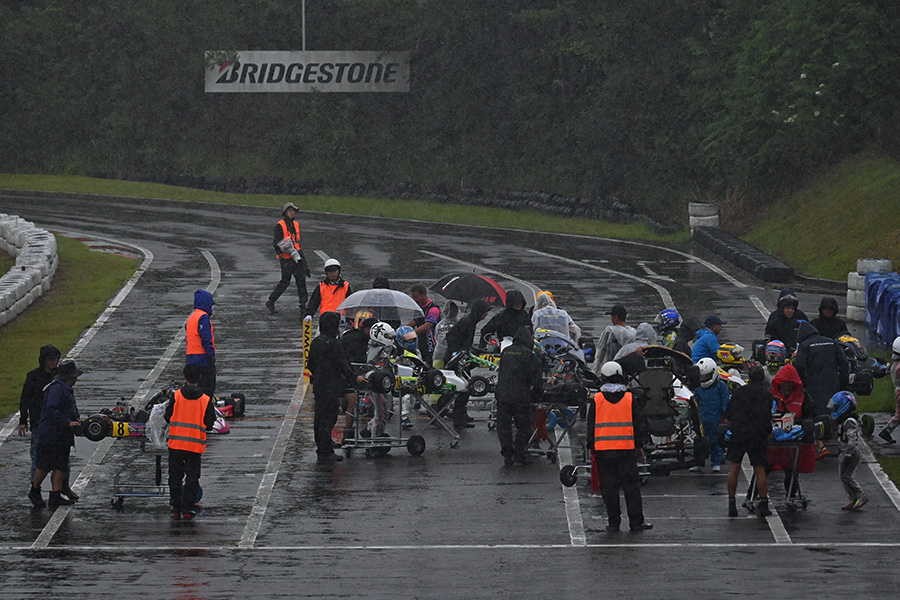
{"x":330,"y":292}
{"x":290,"y":257}
{"x":617,"y":444}
{"x":190,"y":415}
{"x":201,"y":343}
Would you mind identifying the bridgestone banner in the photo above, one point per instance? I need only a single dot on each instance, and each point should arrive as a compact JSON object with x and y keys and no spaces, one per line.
{"x":258,"y":71}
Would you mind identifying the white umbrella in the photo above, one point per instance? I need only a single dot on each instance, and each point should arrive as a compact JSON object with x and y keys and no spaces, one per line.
{"x":385,"y":305}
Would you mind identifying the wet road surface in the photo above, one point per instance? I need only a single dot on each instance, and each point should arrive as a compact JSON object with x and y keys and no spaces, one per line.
{"x":453,"y":522}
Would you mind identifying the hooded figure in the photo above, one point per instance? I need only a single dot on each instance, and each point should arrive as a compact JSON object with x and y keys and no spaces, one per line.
{"x":645,"y":335}
{"x":519,"y":384}
{"x":548,"y":316}
{"x":330,"y":374}
{"x":821,"y":364}
{"x":462,"y":335}
{"x":511,"y":319}
{"x":201,"y":343}
{"x":449,"y":318}
{"x":684,"y":339}
{"x":782,"y":323}
{"x":828,"y":323}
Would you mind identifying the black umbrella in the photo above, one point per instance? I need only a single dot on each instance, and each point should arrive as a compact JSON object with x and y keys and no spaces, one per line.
{"x":466,"y":287}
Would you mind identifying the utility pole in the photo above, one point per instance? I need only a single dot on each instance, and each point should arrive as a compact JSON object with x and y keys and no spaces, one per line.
{"x":303,"y":23}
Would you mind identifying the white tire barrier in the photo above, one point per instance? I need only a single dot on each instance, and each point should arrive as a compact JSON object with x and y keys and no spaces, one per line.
{"x":695,"y":222}
{"x":879,"y":265}
{"x":855,"y":313}
{"x":702,"y":209}
{"x":856,"y":281}
{"x":856,"y":298}
{"x":36,"y":262}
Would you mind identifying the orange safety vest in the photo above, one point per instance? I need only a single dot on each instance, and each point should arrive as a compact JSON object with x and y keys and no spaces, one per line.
{"x":295,"y":237}
{"x":613,"y":426}
{"x":194,"y":344}
{"x":186,"y":428}
{"x":332,"y":296}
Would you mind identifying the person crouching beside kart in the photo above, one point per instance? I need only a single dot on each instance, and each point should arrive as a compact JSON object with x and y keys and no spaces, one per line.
{"x":712,"y":398}
{"x":330,"y":374}
{"x":616,"y":440}
{"x":843,"y":407}
{"x":519,"y":384}
{"x":190,"y":415}
{"x":750,"y":417}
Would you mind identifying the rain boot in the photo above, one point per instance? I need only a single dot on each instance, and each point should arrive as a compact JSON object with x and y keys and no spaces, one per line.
{"x":732,"y":507}
{"x":68,"y":492}
{"x":34,"y":494}
{"x":56,"y":500}
{"x":763,"y":510}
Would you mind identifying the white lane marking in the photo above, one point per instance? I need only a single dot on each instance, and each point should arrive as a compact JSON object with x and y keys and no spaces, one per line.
{"x":774,"y":522}
{"x":653,"y":274}
{"x":577,"y":536}
{"x":760,"y":307}
{"x":264,"y":493}
{"x":84,"y":477}
{"x":880,"y":476}
{"x":219,"y":548}
{"x":663,"y":292}
{"x":570,"y":495}
{"x":88,"y":335}
{"x":321,"y":255}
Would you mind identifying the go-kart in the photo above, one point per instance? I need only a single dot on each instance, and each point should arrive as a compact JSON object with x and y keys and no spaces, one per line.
{"x":567,"y":378}
{"x":125,"y":421}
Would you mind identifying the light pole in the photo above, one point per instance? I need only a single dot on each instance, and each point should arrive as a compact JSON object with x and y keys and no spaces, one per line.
{"x":303,"y":23}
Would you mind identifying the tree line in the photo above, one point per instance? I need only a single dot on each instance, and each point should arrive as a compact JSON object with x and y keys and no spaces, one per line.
{"x":653,"y":102}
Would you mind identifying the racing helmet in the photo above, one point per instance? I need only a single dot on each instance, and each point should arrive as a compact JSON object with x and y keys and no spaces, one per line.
{"x":730,"y":354}
{"x":841,"y":405}
{"x":895,"y":348}
{"x":407,"y":338}
{"x":667,"y":320}
{"x":709,"y":372}
{"x":382,"y":333}
{"x":611,"y":372}
{"x":332,"y":262}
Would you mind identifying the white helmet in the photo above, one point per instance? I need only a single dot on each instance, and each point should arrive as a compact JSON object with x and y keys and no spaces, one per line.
{"x":332,"y":262}
{"x":896,"y":348}
{"x":611,"y":369}
{"x":382,"y":333}
{"x":709,"y":372}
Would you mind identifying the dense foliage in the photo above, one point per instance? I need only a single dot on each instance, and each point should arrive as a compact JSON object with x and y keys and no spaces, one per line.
{"x":651,"y":101}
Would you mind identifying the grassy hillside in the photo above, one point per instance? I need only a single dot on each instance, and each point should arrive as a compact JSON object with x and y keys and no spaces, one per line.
{"x":852,"y":212}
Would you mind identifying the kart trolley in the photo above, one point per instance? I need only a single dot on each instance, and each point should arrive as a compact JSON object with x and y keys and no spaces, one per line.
{"x":382,"y":384}
{"x":789,"y":452}
{"x":98,"y":427}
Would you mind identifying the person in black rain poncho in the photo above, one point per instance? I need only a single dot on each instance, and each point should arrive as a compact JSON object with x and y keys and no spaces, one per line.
{"x":519,"y":384}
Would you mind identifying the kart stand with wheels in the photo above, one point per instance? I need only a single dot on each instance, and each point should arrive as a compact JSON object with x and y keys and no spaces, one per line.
{"x":123,"y":489}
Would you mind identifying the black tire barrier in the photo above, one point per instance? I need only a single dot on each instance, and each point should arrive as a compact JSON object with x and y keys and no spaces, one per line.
{"x":749,"y":258}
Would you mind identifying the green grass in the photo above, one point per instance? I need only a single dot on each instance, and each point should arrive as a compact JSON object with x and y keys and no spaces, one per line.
{"x":83,"y":285}
{"x":853,"y":212}
{"x":381,"y":207}
{"x":891,"y":466}
{"x":6,"y":262}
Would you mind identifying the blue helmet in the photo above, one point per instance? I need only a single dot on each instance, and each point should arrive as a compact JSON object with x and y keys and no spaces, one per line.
{"x":407,"y":339}
{"x":667,"y":320}
{"x":841,"y":405}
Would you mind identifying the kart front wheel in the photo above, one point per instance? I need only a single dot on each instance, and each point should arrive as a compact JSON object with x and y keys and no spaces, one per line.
{"x":415,"y":445}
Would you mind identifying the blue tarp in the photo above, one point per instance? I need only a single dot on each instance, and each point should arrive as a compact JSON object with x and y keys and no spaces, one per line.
{"x":883,"y":305}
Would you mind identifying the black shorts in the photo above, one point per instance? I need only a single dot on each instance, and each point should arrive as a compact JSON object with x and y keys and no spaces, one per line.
{"x":52,"y":457}
{"x":755,"y":451}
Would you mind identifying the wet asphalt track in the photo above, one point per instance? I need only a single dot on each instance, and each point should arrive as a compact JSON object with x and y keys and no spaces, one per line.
{"x":451,"y":523}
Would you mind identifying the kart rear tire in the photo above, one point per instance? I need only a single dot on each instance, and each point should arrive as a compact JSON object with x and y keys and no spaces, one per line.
{"x":415,"y":445}
{"x":434,"y":380}
{"x":567,"y":476}
{"x":809,"y":431}
{"x":96,"y":427}
{"x":867,"y":425}
{"x":382,"y":381}
{"x":478,"y":386}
